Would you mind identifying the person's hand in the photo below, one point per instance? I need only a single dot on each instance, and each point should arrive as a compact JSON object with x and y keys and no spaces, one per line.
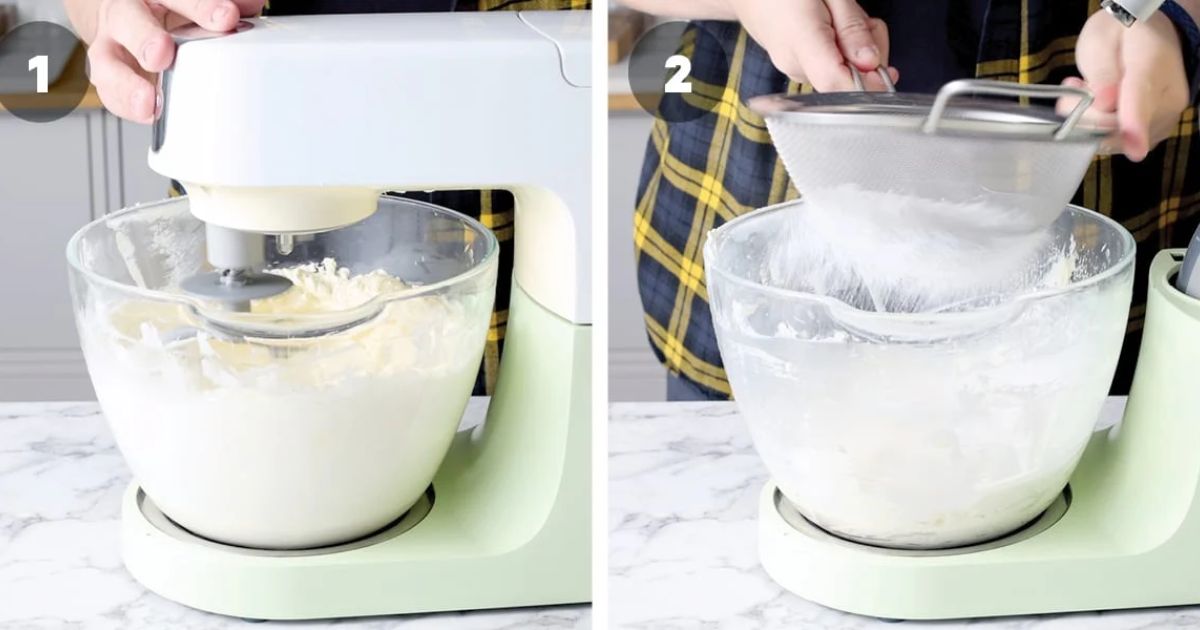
{"x":132,"y":45}
{"x":1137,"y":77}
{"x":811,"y":41}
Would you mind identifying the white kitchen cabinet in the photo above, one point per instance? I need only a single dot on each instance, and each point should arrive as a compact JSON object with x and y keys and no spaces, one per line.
{"x":139,"y":184}
{"x":55,"y":177}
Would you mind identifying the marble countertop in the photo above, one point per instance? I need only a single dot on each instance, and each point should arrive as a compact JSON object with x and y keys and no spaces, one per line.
{"x":684,"y":483}
{"x":61,"y":481}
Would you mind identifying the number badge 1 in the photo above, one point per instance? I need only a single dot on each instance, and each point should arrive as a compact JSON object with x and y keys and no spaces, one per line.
{"x":41,"y":65}
{"x":51,"y":64}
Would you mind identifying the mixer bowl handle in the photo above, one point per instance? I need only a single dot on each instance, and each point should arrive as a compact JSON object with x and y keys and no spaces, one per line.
{"x":1005,"y":88}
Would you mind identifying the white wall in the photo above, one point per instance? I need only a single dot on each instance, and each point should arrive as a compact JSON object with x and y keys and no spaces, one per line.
{"x":41,"y":10}
{"x":633,"y":372}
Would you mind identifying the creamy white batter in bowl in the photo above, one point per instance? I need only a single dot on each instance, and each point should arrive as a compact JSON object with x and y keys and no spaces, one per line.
{"x":264,"y":429}
{"x":918,"y":429}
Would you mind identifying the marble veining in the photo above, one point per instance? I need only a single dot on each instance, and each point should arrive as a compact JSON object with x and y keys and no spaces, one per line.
{"x":61,"y":481}
{"x":684,"y":482}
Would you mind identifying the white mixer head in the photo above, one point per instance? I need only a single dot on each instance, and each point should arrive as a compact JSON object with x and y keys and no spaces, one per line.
{"x":296,"y":125}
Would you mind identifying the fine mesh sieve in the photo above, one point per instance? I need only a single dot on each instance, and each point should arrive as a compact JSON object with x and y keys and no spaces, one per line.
{"x":1007,"y":167}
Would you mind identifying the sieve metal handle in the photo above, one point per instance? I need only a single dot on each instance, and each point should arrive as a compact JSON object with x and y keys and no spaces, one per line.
{"x":1005,"y":88}
{"x":883,"y":74}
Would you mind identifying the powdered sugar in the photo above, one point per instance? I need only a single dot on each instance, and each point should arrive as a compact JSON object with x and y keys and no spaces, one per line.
{"x":896,"y":253}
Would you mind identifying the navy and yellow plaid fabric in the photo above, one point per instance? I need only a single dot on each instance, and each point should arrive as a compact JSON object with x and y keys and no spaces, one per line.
{"x":701,"y":173}
{"x":524,"y":5}
{"x":493,"y":208}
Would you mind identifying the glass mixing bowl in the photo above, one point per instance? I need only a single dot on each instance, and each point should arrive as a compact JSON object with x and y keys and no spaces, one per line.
{"x":922,"y":430}
{"x":292,"y":428}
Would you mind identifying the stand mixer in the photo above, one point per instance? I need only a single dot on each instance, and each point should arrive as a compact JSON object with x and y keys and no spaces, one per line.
{"x":1123,"y":533}
{"x":292,"y":126}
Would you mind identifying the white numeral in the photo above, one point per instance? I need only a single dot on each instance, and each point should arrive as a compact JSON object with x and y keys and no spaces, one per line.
{"x":678,"y":83}
{"x":41,"y":65}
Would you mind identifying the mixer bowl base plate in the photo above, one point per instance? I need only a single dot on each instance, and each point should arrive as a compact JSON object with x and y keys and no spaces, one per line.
{"x":407,"y":521}
{"x":1045,"y":520}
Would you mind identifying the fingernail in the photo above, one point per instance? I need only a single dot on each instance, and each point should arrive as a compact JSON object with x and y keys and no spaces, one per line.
{"x":220,"y":15}
{"x":867,"y":54}
{"x":146,"y":49}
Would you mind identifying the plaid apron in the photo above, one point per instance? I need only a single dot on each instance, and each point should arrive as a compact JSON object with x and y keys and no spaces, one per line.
{"x":493,"y":208}
{"x":699,"y":174}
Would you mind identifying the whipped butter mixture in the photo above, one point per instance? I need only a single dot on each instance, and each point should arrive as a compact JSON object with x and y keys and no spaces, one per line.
{"x":295,"y":443}
{"x":323,"y":287}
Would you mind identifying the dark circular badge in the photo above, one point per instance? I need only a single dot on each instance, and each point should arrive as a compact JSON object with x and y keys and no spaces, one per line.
{"x":43,"y":75}
{"x":668,"y":68}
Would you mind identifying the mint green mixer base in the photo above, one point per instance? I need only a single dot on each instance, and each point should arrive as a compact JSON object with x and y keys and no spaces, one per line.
{"x":510,"y":524}
{"x":1129,"y":539}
